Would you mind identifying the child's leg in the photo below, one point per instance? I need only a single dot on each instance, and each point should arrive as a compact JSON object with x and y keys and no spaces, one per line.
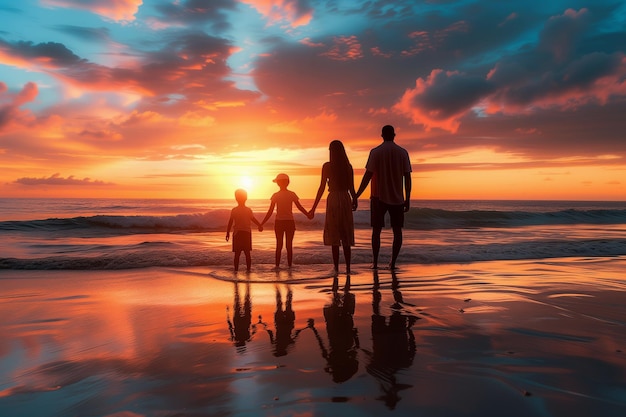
{"x":279,"y":245}
{"x":237,"y":254}
{"x":289,"y":245}
{"x":248,"y":260}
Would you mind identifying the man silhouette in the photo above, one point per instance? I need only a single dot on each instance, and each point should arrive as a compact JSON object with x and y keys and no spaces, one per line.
{"x":389,"y":170}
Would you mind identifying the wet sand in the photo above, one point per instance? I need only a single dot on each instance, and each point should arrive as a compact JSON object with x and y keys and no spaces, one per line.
{"x":501,"y":338}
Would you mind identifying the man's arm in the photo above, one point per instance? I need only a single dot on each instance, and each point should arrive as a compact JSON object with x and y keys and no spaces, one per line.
{"x":407,"y":191}
{"x":364,"y":182}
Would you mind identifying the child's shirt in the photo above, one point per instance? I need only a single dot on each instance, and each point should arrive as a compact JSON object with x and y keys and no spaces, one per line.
{"x":283,"y":200}
{"x":242,"y":219}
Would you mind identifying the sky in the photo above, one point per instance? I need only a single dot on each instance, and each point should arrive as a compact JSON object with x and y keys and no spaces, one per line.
{"x":195,"y":98}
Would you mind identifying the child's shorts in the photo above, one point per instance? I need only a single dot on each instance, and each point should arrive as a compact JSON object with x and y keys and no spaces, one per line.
{"x":242,"y":241}
{"x":284,"y":226}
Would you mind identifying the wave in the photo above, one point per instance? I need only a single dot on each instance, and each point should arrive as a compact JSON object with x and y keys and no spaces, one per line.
{"x":170,"y":254}
{"x":216,"y":220}
{"x":427,"y":219}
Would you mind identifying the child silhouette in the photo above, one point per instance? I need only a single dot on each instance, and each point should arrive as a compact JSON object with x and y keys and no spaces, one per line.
{"x":240,"y":219}
{"x":284,"y":223}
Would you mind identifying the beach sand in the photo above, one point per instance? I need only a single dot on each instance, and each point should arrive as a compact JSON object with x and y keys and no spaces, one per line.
{"x":499,"y":338}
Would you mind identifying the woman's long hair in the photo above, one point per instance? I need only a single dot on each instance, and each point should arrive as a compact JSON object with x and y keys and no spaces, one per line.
{"x":340,"y":167}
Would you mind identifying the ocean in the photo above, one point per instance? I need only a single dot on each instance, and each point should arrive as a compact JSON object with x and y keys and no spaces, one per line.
{"x":131,"y":308}
{"x":111,"y":234}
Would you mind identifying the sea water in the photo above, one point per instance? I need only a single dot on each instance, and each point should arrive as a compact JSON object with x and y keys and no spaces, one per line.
{"x":87,"y":234}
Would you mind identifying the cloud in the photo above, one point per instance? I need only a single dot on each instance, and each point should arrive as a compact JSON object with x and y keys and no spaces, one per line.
{"x":442,"y":98}
{"x":29,"y":55}
{"x":196,"y":12}
{"x":293,"y":12}
{"x":345,"y":48}
{"x":548,"y":76}
{"x":191,"y":63}
{"x":10,"y":104}
{"x":117,"y":10}
{"x":56,"y":179}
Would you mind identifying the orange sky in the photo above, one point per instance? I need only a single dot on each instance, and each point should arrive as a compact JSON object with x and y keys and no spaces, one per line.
{"x":194,"y":99}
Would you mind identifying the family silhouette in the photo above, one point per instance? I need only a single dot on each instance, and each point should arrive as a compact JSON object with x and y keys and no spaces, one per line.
{"x":388,"y":170}
{"x":391,"y":347}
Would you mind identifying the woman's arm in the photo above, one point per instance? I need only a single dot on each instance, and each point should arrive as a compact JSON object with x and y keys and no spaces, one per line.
{"x":322,"y":187}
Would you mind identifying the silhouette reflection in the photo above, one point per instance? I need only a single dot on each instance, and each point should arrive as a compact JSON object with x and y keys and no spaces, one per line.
{"x":240,"y":326}
{"x":393,"y":343}
{"x":284,"y":338}
{"x":341,"y":356}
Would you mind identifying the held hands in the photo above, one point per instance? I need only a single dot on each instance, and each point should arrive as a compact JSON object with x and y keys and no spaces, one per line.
{"x":355,"y":203}
{"x":260,"y":228}
{"x":310,"y":214}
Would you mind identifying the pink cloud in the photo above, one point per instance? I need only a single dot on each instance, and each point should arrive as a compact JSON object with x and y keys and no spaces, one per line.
{"x":295,"y":12}
{"x":440,"y":100}
{"x":118,"y":10}
{"x":345,"y":48}
{"x":10,"y":104}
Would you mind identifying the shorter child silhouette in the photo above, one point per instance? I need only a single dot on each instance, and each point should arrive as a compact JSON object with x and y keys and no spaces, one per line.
{"x":284,"y":223}
{"x":240,"y":219}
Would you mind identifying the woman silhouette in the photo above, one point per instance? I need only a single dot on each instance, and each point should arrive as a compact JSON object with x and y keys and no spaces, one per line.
{"x":339,"y":224}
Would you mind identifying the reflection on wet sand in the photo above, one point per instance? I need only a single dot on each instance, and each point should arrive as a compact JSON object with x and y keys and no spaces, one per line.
{"x":343,"y":338}
{"x":240,"y":326}
{"x":282,"y":338}
{"x":393,"y":343}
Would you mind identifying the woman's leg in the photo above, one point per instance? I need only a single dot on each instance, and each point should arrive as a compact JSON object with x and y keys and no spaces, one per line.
{"x":335,"y":249}
{"x":347,"y":254}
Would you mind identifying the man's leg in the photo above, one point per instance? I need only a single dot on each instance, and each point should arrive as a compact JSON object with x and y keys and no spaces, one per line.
{"x":397,"y":244}
{"x":375,"y":245}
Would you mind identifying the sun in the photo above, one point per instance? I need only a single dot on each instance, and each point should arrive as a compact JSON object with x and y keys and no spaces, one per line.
{"x":246,"y":182}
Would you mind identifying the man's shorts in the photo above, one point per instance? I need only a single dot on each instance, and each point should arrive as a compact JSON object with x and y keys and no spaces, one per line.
{"x":378,"y":210}
{"x":284,"y":226}
{"x":242,"y":241}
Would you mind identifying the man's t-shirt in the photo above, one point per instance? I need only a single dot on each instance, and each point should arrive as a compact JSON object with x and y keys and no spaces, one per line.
{"x":388,"y":162}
